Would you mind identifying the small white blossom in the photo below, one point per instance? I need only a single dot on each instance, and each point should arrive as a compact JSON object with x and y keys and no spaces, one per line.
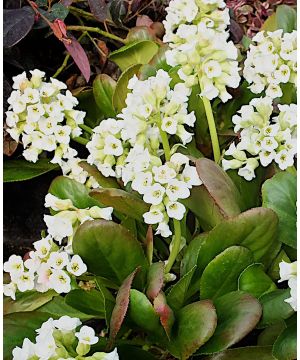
{"x":66,"y":323}
{"x":76,"y":266}
{"x":60,"y":281}
{"x":86,"y":335}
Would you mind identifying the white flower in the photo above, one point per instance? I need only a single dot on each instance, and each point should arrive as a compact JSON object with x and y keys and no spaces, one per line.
{"x":86,"y":335}
{"x":142,"y":181}
{"x":154,"y":194}
{"x":287,"y":270}
{"x":101,"y":213}
{"x":169,"y":125}
{"x":154,"y":216}
{"x":175,"y":210}
{"x":60,"y":281}
{"x":66,"y":323}
{"x":177,"y":189}
{"x":26,"y":352}
{"x":247,"y":171}
{"x":33,"y":262}
{"x":46,"y":330}
{"x":163,"y":230}
{"x":163,"y":174}
{"x":31,"y":154}
{"x":14,"y":265}
{"x":10,"y":290}
{"x":190,"y":176}
{"x":24,"y":281}
{"x":284,"y":159}
{"x":112,"y":355}
{"x":45,"y":347}
{"x":43,"y":246}
{"x":43,"y":281}
{"x":59,"y":226}
{"x":58,"y":260}
{"x":112,"y":146}
{"x":76,"y":266}
{"x":293,"y":286}
{"x":57,"y":204}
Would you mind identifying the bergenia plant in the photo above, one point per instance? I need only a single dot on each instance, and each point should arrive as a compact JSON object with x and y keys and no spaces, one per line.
{"x":170,"y":232}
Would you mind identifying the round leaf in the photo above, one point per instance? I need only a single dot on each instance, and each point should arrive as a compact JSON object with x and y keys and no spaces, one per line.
{"x":221,"y":275}
{"x":109,"y":250}
{"x":285,"y":347}
{"x":238,"y":313}
{"x":103,"y":89}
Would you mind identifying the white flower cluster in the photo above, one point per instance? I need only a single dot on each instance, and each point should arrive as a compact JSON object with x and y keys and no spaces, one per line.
{"x":272,"y":61}
{"x":288,"y":272}
{"x":42,"y":117}
{"x":58,"y":339}
{"x":264,"y":137}
{"x":196,"y":33}
{"x":130,"y":147}
{"x":68,"y":218}
{"x":48,"y":267}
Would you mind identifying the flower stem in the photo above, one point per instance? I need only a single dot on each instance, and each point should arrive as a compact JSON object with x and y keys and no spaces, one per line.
{"x":176,"y":246}
{"x":98,"y":31}
{"x":81,"y":140}
{"x":165,"y":143}
{"x":86,"y":128}
{"x":212,"y":127}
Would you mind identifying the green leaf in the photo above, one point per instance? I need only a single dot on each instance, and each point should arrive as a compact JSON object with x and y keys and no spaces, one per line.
{"x":18,"y":326}
{"x":129,"y":352}
{"x":138,"y":33}
{"x":155,"y":279}
{"x":177,"y":296}
{"x":254,"y":229}
{"x":238,"y":313}
{"x":66,"y":188}
{"x":92,"y":302}
{"x":270,"y":24}
{"x":27,"y":301}
{"x":57,"y":307}
{"x":275,"y":308}
{"x":285,"y":347}
{"x":121,"y":90}
{"x":280,"y":194}
{"x":270,"y":334}
{"x":122,"y":201}
{"x":120,"y":309}
{"x":196,"y":324}
{"x":255,"y":281}
{"x":20,"y":170}
{"x":138,"y":52}
{"x":286,"y":18}
{"x":273,"y":271}
{"x":218,"y":196}
{"x":103,"y":89}
{"x":221,"y":275}
{"x":88,"y":104}
{"x":103,"y":181}
{"x":59,"y":11}
{"x":118,"y":252}
{"x":157,"y":62}
{"x":166,"y":315}
{"x":142,"y":312}
{"x":245,"y":353}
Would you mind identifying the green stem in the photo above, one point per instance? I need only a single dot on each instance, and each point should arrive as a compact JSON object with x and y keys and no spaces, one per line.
{"x":81,"y":140}
{"x":165,"y":143}
{"x":212,"y":128}
{"x":86,"y":128}
{"x":98,"y":31}
{"x":176,"y":246}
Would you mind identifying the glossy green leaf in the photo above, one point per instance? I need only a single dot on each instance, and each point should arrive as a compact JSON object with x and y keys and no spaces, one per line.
{"x":118,"y":252}
{"x":196,"y":324}
{"x":254,"y":229}
{"x":122,"y":201}
{"x":285,"y":347}
{"x":138,"y":52}
{"x":155,"y":279}
{"x":217,"y":198}
{"x":270,"y":24}
{"x":92,"y":302}
{"x":238,"y":313}
{"x":121,"y":90}
{"x":138,"y":33}
{"x":20,"y":169}
{"x":27,"y":301}
{"x":177,"y":296}
{"x":275,"y":308}
{"x":279,"y":194}
{"x":142,"y":312}
{"x":269,"y":335}
{"x":273,"y":270}
{"x":18,"y":326}
{"x":221,"y":275}
{"x":157,"y":62}
{"x":121,"y":306}
{"x":103,"y":181}
{"x":103,"y":89}
{"x":66,"y":188}
{"x":255,"y":281}
{"x":245,"y":353}
{"x":57,"y":307}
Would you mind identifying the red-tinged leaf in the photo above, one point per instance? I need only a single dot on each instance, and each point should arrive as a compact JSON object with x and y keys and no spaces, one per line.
{"x":143,"y":20}
{"x":155,"y":280}
{"x":99,"y":9}
{"x":149,"y":244}
{"x":166,"y":315}
{"x":79,"y":56}
{"x":120,"y":309}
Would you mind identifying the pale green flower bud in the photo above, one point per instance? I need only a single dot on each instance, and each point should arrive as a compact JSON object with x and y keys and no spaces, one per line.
{"x":83,"y":349}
